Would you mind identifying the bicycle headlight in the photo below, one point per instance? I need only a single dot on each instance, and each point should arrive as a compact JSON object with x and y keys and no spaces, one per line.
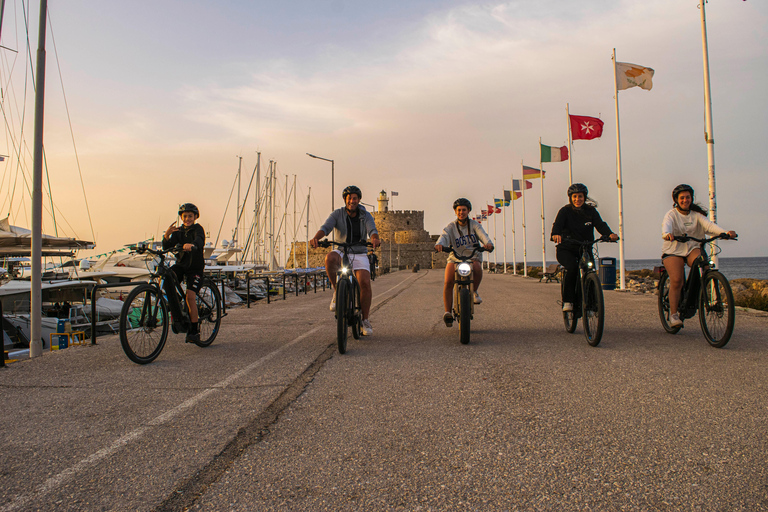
{"x":590,"y":264}
{"x":344,"y":270}
{"x":464,"y":269}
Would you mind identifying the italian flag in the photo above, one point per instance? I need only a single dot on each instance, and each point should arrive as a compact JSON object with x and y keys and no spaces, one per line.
{"x":553,"y":154}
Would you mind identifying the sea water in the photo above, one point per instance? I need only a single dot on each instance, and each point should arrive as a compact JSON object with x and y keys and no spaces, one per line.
{"x":732,"y":268}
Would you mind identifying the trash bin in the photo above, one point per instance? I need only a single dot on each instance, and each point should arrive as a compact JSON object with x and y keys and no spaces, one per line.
{"x":61,"y":327}
{"x":607,"y":273}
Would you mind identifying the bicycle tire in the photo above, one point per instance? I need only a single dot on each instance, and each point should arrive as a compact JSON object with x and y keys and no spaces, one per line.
{"x":143,"y":324}
{"x":342,"y":305}
{"x":355,"y":314}
{"x":465,"y":314}
{"x":569,"y":317}
{"x":593,"y":309}
{"x":208,"y":301}
{"x":663,"y":300}
{"x":717,"y":314}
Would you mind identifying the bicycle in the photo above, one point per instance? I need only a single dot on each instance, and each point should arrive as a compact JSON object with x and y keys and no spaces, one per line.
{"x":589,"y":304}
{"x":144,"y":319}
{"x":463,"y":291}
{"x":349,"y":311}
{"x":705,"y":290}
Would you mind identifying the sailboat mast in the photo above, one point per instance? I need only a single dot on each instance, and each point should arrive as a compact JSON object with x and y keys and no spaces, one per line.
{"x":294,"y":221}
{"x":306,"y":247}
{"x":257,"y":195}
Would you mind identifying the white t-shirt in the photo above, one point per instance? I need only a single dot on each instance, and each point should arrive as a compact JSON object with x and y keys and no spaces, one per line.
{"x":694,"y":224}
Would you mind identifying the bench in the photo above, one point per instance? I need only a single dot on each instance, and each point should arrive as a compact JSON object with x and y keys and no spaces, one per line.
{"x":551,"y":273}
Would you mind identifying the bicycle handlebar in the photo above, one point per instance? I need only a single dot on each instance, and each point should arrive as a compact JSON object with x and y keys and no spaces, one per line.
{"x":705,"y":240}
{"x":477,"y":248}
{"x":328,"y":243}
{"x":604,"y":238}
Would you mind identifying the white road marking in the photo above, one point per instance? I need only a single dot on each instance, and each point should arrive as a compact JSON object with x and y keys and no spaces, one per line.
{"x":61,"y":478}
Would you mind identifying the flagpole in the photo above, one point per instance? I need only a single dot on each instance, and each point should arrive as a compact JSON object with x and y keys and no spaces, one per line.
{"x":619,"y":184}
{"x":525,"y":247}
{"x":495,"y":261}
{"x":570,"y":145}
{"x":709,"y":134}
{"x":504,"y":226}
{"x":543,"y":228}
{"x":514,"y":247}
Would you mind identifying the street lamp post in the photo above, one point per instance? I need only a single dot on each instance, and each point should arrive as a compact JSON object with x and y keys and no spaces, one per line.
{"x":332,"y":173}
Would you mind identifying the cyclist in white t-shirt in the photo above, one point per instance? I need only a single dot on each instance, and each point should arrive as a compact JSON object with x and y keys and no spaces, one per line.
{"x":685,"y":218}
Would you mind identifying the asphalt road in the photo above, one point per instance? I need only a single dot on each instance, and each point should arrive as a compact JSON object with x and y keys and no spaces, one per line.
{"x":271,"y":417}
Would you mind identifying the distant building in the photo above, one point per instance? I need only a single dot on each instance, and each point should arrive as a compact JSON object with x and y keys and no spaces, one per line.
{"x":404,"y":241}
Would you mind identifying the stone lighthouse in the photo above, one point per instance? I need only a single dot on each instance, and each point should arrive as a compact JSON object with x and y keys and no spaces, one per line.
{"x":383,"y":202}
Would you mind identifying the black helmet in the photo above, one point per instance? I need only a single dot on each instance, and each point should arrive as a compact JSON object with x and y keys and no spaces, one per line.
{"x":352,"y":190}
{"x":681,"y":188}
{"x":462,"y":202}
{"x":576,"y":188}
{"x":189,"y":207}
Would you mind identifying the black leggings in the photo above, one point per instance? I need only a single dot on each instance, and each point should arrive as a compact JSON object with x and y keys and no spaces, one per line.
{"x":570,"y":261}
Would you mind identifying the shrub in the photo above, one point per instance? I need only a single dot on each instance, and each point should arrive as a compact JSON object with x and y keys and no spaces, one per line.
{"x":753,"y":300}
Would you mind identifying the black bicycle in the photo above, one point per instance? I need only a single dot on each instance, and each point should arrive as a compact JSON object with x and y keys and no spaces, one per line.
{"x":589,"y":305}
{"x":144,"y":319}
{"x":349,"y":311}
{"x":374,"y":262}
{"x":463,"y":291}
{"x":705,"y":290}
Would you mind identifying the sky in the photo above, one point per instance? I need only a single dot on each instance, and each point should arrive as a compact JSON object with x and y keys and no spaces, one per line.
{"x":149,"y":104}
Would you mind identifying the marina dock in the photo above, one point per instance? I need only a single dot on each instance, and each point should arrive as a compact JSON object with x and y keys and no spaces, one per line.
{"x":272,"y":417}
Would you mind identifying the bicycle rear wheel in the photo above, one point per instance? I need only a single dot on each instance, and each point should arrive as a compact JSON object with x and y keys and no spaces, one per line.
{"x":143,"y":324}
{"x":593,"y":310}
{"x":664,"y":313}
{"x":342,"y":313}
{"x":716,"y":311}
{"x":465,"y":314}
{"x":209,"y":313}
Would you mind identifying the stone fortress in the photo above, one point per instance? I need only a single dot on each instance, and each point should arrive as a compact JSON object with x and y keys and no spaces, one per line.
{"x":404,"y":241}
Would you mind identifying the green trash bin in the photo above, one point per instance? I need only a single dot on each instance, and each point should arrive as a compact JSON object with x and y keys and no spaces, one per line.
{"x":607,"y":273}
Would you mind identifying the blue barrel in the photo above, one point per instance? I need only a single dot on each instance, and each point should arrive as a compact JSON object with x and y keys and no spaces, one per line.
{"x":60,"y":327}
{"x":607,"y":273}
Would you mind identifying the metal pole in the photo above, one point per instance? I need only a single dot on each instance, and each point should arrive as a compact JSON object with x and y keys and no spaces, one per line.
{"x":36,"y":295}
{"x":709,"y":135}
{"x":294,"y":220}
{"x":525,"y":246}
{"x":237,"y":227}
{"x":570,"y":145}
{"x":504,"y":225}
{"x":543,"y":227}
{"x":514,"y":248}
{"x":619,"y":184}
{"x":306,"y":252}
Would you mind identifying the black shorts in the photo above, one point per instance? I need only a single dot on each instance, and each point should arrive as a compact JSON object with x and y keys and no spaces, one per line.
{"x":192,"y":278}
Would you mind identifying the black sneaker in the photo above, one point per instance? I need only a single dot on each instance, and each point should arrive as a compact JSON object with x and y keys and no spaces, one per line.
{"x":448,"y":319}
{"x":192,"y":337}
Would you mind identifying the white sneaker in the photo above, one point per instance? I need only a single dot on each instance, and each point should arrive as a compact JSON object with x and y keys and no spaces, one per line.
{"x":478,"y":300}
{"x":367,"y":330}
{"x":674,"y":320}
{"x":567,"y":306}
{"x":333,"y":302}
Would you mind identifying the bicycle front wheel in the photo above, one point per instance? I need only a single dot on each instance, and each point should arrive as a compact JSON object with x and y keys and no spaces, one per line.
{"x":716,"y":311}
{"x":465,"y":314}
{"x":355,"y":311}
{"x":143,"y":324}
{"x":663,"y":292}
{"x":593,"y":310}
{"x":209,"y":313}
{"x":342,"y":314}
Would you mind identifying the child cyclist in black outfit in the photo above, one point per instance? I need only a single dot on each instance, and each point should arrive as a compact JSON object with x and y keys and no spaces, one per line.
{"x":577,"y":220}
{"x":190,"y":264}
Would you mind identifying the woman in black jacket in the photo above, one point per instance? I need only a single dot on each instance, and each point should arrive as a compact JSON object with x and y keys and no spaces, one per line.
{"x":577,"y":220}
